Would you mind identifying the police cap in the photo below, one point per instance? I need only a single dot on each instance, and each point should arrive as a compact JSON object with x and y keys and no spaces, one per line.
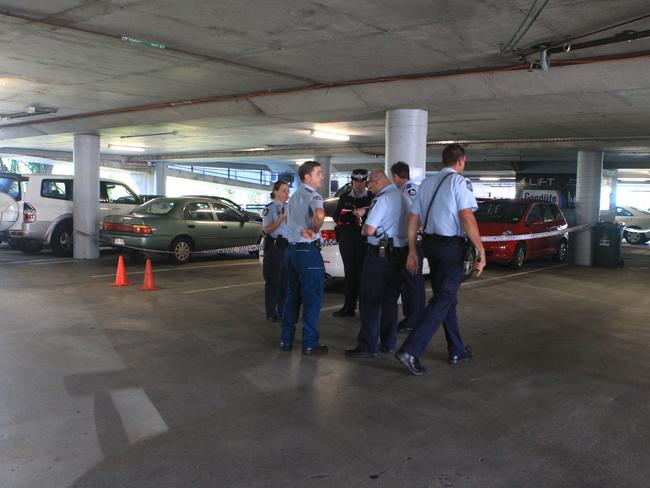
{"x":359,"y":174}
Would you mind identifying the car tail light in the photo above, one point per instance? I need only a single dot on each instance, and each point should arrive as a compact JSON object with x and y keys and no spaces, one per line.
{"x":141,"y":229}
{"x":328,"y":235}
{"x":128,"y":228}
{"x":29,"y":213}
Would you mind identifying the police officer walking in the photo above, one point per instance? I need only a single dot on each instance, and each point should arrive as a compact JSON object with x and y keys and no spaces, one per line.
{"x":274,"y":222}
{"x":352,"y":245}
{"x":386,"y":228}
{"x":305,"y":266}
{"x":413,"y":293}
{"x":444,"y":206}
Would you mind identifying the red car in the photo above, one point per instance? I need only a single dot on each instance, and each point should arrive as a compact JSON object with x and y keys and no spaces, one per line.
{"x":516,"y":217}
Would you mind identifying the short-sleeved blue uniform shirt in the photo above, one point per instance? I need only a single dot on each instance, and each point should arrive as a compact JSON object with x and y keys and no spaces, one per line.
{"x":409,"y":192}
{"x":389,"y":216}
{"x":270,"y":214}
{"x":456,"y":194}
{"x":300,"y":212}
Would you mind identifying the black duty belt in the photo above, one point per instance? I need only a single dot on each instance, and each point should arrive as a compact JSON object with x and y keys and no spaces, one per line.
{"x":444,"y":240}
{"x":390,"y":250}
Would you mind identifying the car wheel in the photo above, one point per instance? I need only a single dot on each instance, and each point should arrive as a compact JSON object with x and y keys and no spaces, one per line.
{"x":468,"y":266}
{"x":519,"y":257}
{"x":181,"y":250}
{"x":634,"y":238}
{"x":562,"y":252}
{"x":13,"y":245}
{"x":62,"y":239}
{"x":30,"y":247}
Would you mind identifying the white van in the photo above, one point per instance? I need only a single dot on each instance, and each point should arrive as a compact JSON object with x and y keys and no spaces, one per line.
{"x":46,"y":211}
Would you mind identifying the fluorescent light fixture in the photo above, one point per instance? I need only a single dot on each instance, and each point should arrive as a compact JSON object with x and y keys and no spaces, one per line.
{"x":253,"y":149}
{"x":125,"y":147}
{"x":632,"y":179}
{"x":172,"y":133}
{"x":489,"y":178}
{"x":329,"y":135}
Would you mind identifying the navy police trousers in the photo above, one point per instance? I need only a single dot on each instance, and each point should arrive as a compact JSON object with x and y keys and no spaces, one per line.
{"x":446,"y":264}
{"x":306,"y":273}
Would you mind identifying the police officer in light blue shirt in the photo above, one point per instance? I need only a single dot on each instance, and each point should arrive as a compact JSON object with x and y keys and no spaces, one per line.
{"x":386,"y":228}
{"x":274,"y":223}
{"x":444,"y":207}
{"x":305,"y":266}
{"x":412,"y":289}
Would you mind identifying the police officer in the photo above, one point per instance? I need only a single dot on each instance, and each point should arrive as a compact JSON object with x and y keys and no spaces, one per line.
{"x":352,"y":245}
{"x":386,"y":228}
{"x":274,"y":222}
{"x":444,"y":206}
{"x":305,"y":266}
{"x":413,"y":293}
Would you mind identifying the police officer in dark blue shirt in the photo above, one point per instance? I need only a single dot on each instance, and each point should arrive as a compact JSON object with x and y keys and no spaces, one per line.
{"x":386,"y":228}
{"x":352,"y":245}
{"x":444,"y":207}
{"x":274,"y":222}
{"x":305,"y":266}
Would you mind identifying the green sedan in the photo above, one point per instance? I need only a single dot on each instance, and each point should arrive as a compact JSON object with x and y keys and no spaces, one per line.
{"x":181,"y":226}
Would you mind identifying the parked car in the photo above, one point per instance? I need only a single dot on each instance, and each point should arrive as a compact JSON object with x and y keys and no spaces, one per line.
{"x":10,"y":184}
{"x":181,"y":226}
{"x":634,"y":218}
{"x":506,"y":217}
{"x":47,"y":210}
{"x":253,"y":216}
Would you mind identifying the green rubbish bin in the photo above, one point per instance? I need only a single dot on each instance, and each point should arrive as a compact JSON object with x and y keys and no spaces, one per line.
{"x":607,"y":245}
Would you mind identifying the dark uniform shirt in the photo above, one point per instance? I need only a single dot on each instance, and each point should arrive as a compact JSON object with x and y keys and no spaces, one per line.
{"x":348,"y":202}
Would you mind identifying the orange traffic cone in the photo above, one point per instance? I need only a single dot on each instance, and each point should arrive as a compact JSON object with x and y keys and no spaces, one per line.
{"x":149,"y":284}
{"x":120,"y":276}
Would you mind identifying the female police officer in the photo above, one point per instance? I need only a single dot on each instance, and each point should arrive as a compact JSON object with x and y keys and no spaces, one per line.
{"x":274,"y":220}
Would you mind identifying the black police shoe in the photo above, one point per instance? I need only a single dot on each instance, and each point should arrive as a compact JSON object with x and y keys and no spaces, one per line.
{"x":343,"y":313}
{"x":358,"y":353}
{"x":459,"y":358}
{"x":410,"y":362}
{"x":385,"y":350}
{"x":319,"y":350}
{"x":273,"y":319}
{"x":285,"y":347}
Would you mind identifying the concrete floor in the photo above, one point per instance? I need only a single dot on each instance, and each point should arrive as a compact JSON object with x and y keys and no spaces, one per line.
{"x":108,"y":387}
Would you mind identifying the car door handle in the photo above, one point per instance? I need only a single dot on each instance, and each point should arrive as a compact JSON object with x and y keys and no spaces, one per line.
{"x":191,"y":226}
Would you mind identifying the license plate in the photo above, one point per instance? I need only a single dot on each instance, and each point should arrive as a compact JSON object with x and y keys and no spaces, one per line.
{"x":118,"y":242}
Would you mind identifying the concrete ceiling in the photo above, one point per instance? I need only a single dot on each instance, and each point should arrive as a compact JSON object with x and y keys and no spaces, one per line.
{"x":252,"y":73}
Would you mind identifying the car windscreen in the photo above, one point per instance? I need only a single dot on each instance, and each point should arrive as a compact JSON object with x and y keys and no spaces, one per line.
{"x":157,"y":206}
{"x":501,"y":211}
{"x":10,"y":186}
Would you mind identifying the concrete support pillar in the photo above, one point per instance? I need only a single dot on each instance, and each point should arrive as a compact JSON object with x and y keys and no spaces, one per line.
{"x":588,"y":183}
{"x":86,"y":196}
{"x":161,"y":178}
{"x":326,"y":167}
{"x":406,"y":140}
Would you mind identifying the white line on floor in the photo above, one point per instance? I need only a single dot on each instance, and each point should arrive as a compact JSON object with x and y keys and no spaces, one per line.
{"x":478,"y":281}
{"x":53,"y":261}
{"x":225,"y":287}
{"x":33,"y":261}
{"x":183,"y":268}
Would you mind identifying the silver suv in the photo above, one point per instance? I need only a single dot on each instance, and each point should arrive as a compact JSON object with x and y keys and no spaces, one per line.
{"x":46,"y":205}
